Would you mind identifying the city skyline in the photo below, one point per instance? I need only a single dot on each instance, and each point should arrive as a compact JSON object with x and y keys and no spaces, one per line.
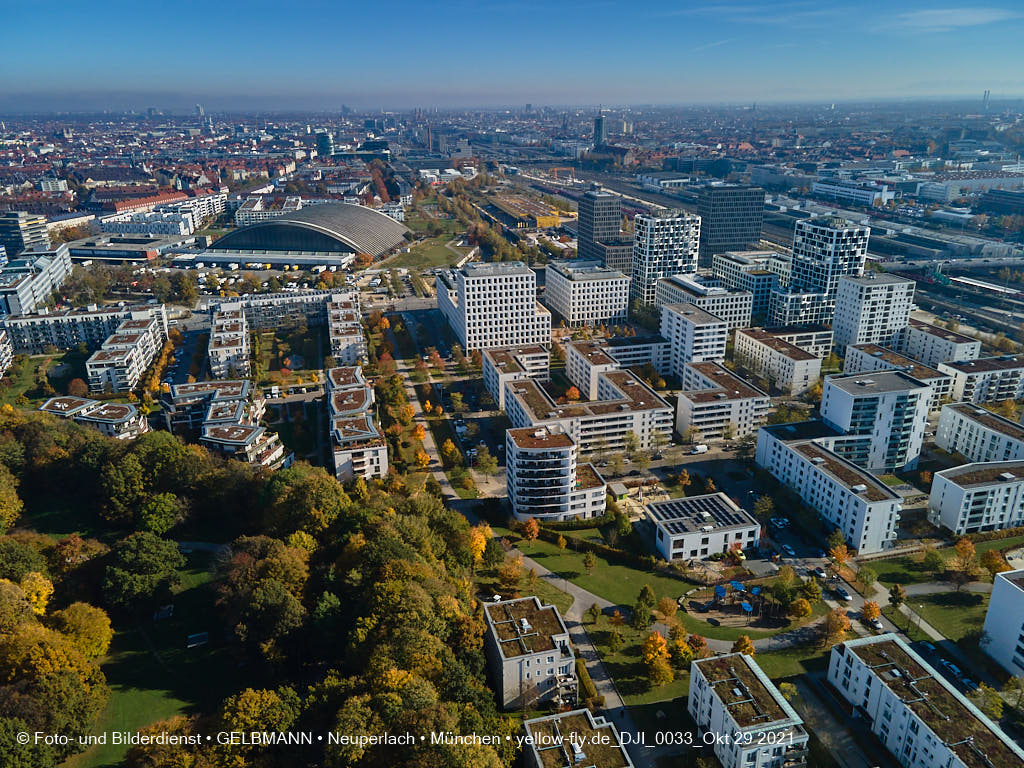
{"x":467,"y":56}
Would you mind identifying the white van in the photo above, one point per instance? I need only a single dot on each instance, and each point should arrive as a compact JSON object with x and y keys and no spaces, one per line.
{"x":699,"y":449}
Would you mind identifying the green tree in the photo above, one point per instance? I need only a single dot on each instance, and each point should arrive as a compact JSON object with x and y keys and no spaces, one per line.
{"x":159,"y":514}
{"x":86,"y":626}
{"x":589,"y":561}
{"x":144,"y":567}
{"x":764,"y":507}
{"x":867,"y":576}
{"x":124,"y":486}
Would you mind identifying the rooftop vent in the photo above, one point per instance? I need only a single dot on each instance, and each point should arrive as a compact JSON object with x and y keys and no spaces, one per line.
{"x":524,"y":625}
{"x":859,"y":488}
{"x":1007,"y":476}
{"x":818,"y":460}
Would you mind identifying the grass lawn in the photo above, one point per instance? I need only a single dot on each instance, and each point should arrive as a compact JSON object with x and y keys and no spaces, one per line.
{"x":628,"y":670}
{"x":428,"y":254}
{"x":789,"y":662}
{"x":908,"y":569}
{"x":153,"y":676}
{"x":955,"y":614}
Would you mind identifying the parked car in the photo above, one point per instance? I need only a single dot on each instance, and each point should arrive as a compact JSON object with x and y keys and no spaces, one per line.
{"x":969,"y":684}
{"x":929,"y":647}
{"x":843,"y":595}
{"x":789,"y":550}
{"x":819,"y":572}
{"x":875,"y":624}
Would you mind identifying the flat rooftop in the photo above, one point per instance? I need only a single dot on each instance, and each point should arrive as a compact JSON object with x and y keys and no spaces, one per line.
{"x":901,"y":362}
{"x":779,"y":345}
{"x":846,"y":473}
{"x":506,"y":359}
{"x":873,"y":382}
{"x":988,"y":419}
{"x":988,"y":364}
{"x":942,"y":333}
{"x":749,"y":697}
{"x":234,"y":434}
{"x":726,"y":383}
{"x":877,"y":278}
{"x":66,"y":405}
{"x":693,"y":314}
{"x":975,"y":739}
{"x":556,"y":739}
{"x":693,"y":513}
{"x":345,"y":376}
{"x":111,"y":412}
{"x":516,"y":638}
{"x":985,"y":473}
{"x":495,"y":269}
{"x":539,"y":438}
{"x":812,"y":429}
{"x":582,"y":270}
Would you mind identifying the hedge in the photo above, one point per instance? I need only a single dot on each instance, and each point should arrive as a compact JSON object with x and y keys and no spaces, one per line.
{"x":579,"y":524}
{"x":590,"y":697}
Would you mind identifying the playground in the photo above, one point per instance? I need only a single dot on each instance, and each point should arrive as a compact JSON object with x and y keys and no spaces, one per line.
{"x":738,"y":604}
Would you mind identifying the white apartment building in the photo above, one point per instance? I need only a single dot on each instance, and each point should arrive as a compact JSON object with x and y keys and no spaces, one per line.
{"x":249,"y":443}
{"x":545,"y":480}
{"x":586,"y":293}
{"x":801,"y":456}
{"x":746,"y":720}
{"x":120,"y":363}
{"x":121,"y":421}
{"x":573,"y":738}
{"x":503,"y":365}
{"x":624,"y":405}
{"x":345,"y":329}
{"x":153,"y":223}
{"x":274,"y":310}
{"x":1004,"y":622}
{"x":358,"y":447}
{"x":695,"y":527}
{"x":66,"y":329}
{"x":864,"y":358}
{"x":28,"y":281}
{"x":918,"y":715}
{"x":255,"y":209}
{"x":816,"y":339}
{"x":823,"y":251}
{"x":529,"y":654}
{"x":491,"y":305}
{"x":886,"y":410}
{"x":759,"y":272}
{"x":586,"y":360}
{"x":228,"y":350}
{"x":979,"y":435}
{"x":663,"y":244}
{"x":715,"y":403}
{"x":873,"y":308}
{"x":787,"y":366}
{"x":186,"y":407}
{"x":971,"y":498}
{"x":933,"y":345}
{"x":732,"y":306}
{"x":6,"y":352}
{"x":202,"y":207}
{"x":986,"y":379}
{"x":694,"y":336}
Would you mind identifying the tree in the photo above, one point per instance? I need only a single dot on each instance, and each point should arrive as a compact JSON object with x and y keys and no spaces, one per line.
{"x":510,"y":573}
{"x":788,"y":691}
{"x":451,"y":455}
{"x":743,"y":645}
{"x":86,"y":626}
{"x":589,"y":561}
{"x":261,"y":710}
{"x":630,"y":442}
{"x":835,"y":538}
{"x":479,"y":535}
{"x":159,"y":514}
{"x":699,"y":646}
{"x":835,"y":627}
{"x":419,"y":432}
{"x":271,"y":613}
{"x":660,"y":673}
{"x":840,"y":554}
{"x":645,"y":601}
{"x":764,"y":507}
{"x":867,"y":577}
{"x":594,"y":612}
{"x":811,"y":590}
{"x":1015,"y":685}
{"x":897,"y":596}
{"x":10,"y":503}
{"x":963,"y":565}
{"x":654,"y":648}
{"x":457,"y":402}
{"x":992,"y":560}
{"x":800,"y":608}
{"x":870,"y":611}
{"x":572,"y":394}
{"x":38,"y":590}
{"x":683,"y":479}
{"x":561,"y":543}
{"x":989,"y":701}
{"x":615,"y":641}
{"x":142,"y":571}
{"x":530,"y":529}
{"x":667,"y":607}
{"x":932,"y":561}
{"x":422,"y":459}
{"x":485,"y":462}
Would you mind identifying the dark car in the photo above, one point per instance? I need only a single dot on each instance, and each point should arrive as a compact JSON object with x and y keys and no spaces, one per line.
{"x":842,"y":594}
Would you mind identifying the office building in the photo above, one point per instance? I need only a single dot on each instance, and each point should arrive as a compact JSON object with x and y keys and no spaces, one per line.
{"x":545,"y":480}
{"x":801,"y":456}
{"x":28,"y":282}
{"x":626,"y":410}
{"x":1004,"y":622}
{"x":865,"y":358}
{"x":529,"y":654}
{"x":694,"y":336}
{"x":576,"y":738}
{"x":917,"y":714}
{"x":600,"y":132}
{"x":599,"y":220}
{"x":586,"y":293}
{"x":986,"y":379}
{"x":121,"y":421}
{"x":971,"y":498}
{"x":887,"y":411}
{"x":731,"y":217}
{"x":868,"y":194}
{"x":741,"y":713}
{"x":823,"y":251}
{"x":978,"y":435}
{"x":491,"y":305}
{"x":873,"y":308}
{"x":786,"y":366}
{"x":21,"y":231}
{"x":503,"y":365}
{"x":228,"y":348}
{"x":732,"y":306}
{"x":357,"y":446}
{"x":759,"y":272}
{"x":696,"y":527}
{"x":664,"y":244}
{"x":933,"y":345}
{"x":715,"y":404}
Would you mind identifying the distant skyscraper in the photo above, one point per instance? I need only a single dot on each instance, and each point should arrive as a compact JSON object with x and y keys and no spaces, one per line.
{"x":20,"y":231}
{"x":664,"y":244}
{"x":200,"y":112}
{"x":600,"y":133}
{"x":730,"y":219}
{"x":324,"y":144}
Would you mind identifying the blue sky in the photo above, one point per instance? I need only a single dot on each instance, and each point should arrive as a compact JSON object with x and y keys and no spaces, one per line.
{"x":313,"y":53}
